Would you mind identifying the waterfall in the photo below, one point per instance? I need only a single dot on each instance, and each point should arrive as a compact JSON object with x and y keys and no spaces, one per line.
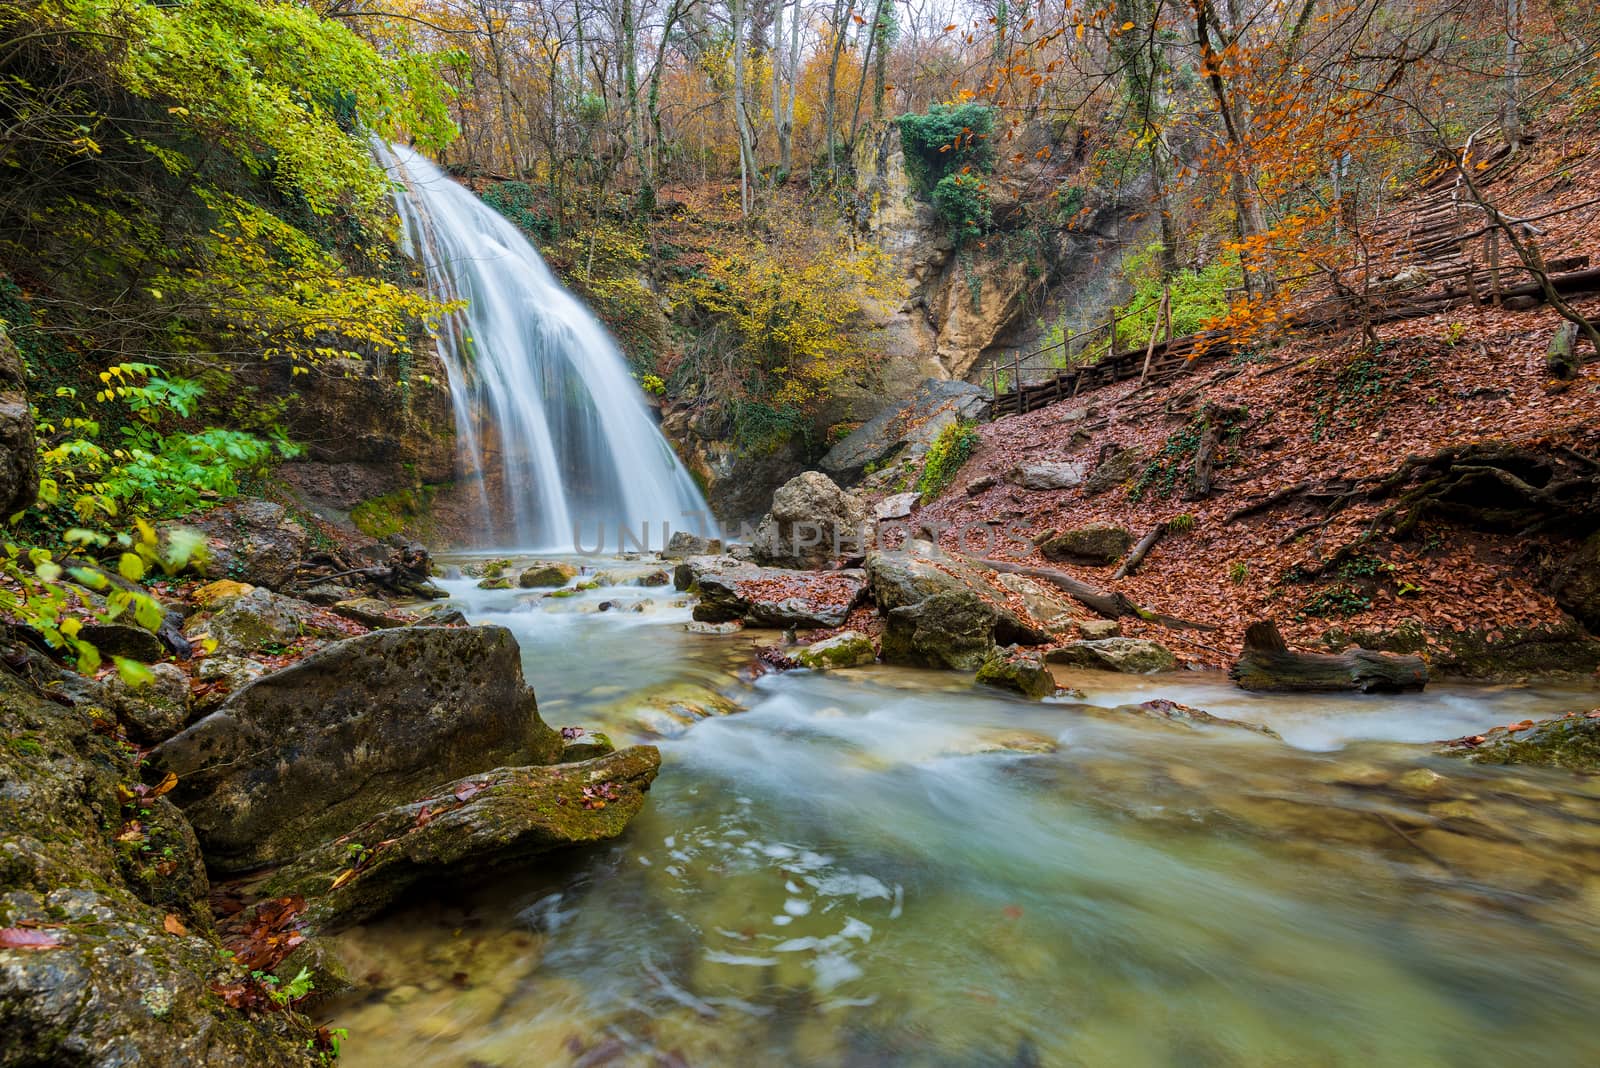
{"x":542,"y":395}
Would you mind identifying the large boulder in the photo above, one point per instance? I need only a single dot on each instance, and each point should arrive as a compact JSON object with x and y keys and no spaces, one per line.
{"x":953,"y":629}
{"x":545,"y":575}
{"x":311,"y":751}
{"x":497,"y":817}
{"x":123,"y":962}
{"x":812,"y":522}
{"x":1093,"y":543}
{"x":19,"y":458}
{"x":251,"y":541}
{"x":909,"y":424}
{"x":1133,"y":656}
{"x":920,"y":570}
{"x":769,"y":596}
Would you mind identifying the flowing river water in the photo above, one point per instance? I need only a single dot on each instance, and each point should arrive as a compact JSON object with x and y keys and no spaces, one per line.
{"x":894,"y":867}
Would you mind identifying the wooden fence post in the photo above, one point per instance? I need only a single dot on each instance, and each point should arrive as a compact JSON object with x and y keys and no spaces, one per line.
{"x":1016,"y":378}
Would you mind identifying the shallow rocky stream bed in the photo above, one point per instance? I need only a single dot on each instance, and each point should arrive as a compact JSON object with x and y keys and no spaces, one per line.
{"x":885,"y":866}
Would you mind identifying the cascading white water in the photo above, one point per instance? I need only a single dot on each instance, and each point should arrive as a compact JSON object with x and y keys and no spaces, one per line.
{"x":536,"y":378}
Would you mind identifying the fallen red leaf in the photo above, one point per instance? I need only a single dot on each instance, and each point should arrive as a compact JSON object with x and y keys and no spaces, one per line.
{"x":25,"y":938}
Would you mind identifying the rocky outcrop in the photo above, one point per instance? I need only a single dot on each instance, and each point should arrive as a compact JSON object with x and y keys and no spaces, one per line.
{"x":368,"y":723}
{"x":1017,"y":670}
{"x":252,"y":541}
{"x":844,"y":650}
{"x":493,"y":818}
{"x":732,"y":589}
{"x":1571,"y":742}
{"x":1133,"y":656}
{"x":812,"y":522}
{"x":19,"y":457}
{"x":910,"y":425}
{"x":119,"y":962}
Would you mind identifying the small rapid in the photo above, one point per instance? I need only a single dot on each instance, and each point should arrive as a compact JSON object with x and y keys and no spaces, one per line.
{"x":551,"y":429}
{"x":894,"y":867}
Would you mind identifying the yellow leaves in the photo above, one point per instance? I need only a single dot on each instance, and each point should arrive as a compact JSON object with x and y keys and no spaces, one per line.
{"x":1078,"y":30}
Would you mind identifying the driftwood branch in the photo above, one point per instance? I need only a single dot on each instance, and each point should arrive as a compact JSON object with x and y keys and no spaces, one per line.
{"x":1140,"y":551}
{"x":1268,"y":664}
{"x":1109,"y":604}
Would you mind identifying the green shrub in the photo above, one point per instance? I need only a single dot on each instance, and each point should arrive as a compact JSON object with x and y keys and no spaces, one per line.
{"x":962,"y":203}
{"x":948,"y":452}
{"x":944,"y":140}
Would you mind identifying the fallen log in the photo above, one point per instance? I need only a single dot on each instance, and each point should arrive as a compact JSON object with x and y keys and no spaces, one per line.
{"x":1136,"y":557}
{"x":1268,"y":664}
{"x":1104,"y":602}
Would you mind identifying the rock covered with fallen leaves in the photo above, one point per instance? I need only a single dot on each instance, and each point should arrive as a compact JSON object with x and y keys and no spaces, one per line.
{"x":106,"y":951}
{"x":731,"y":589}
{"x":308,"y":752}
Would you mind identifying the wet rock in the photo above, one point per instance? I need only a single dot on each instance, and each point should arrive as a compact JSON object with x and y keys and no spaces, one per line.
{"x":1571,"y":742}
{"x":496,"y":582}
{"x":953,"y":629}
{"x":1017,"y":670}
{"x":502,"y":816}
{"x":683,"y":545}
{"x":1094,"y":543}
{"x":122,"y":639}
{"x":648,"y":575}
{"x":546,"y":575}
{"x":326,"y":594}
{"x":845,"y":650}
{"x":908,"y":424}
{"x":154,"y":711}
{"x":1134,"y":656}
{"x":1048,"y":476}
{"x":1174,"y":712}
{"x":310,"y":751}
{"x":812,"y":522}
{"x":1004,"y":740}
{"x":732,"y":626}
{"x":251,"y":541}
{"x":583,"y":744}
{"x":118,"y":987}
{"x":19,"y":456}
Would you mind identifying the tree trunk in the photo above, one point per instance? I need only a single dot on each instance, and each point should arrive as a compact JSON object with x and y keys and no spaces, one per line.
{"x":1268,"y":664}
{"x":741,"y":121}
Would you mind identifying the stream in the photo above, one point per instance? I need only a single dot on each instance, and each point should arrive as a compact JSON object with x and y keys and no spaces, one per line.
{"x":894,"y":867}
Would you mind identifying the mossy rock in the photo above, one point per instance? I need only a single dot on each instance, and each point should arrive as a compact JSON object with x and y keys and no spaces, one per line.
{"x":1571,"y":742}
{"x":1094,"y":543}
{"x":845,"y":650}
{"x":1018,"y":671}
{"x":543,"y":575}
